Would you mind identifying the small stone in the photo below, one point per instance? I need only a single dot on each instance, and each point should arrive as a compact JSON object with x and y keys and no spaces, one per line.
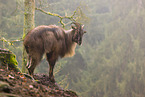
{"x":31,"y":86}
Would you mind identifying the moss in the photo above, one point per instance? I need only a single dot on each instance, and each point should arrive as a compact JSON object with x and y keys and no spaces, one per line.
{"x":8,"y":58}
{"x":12,"y":62}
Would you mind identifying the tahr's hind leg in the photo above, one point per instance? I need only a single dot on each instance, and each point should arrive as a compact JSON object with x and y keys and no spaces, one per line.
{"x":34,"y":61}
{"x":32,"y":67}
{"x":29,"y":61}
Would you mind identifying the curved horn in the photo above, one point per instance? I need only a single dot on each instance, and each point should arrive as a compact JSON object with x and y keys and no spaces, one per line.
{"x":77,"y":24}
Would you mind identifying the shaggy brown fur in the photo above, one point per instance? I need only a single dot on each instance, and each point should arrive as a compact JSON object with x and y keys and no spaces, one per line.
{"x":53,"y":41}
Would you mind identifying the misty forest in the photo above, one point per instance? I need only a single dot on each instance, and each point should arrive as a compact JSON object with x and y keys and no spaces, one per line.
{"x":111,"y":60}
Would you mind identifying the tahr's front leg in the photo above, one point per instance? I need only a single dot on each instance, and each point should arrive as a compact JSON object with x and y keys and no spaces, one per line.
{"x":51,"y":58}
{"x":51,"y":67}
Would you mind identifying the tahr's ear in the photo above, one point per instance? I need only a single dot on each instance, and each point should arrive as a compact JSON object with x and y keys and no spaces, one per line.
{"x":73,"y":27}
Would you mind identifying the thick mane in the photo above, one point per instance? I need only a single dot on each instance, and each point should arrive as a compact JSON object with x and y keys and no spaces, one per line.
{"x":70,"y":50}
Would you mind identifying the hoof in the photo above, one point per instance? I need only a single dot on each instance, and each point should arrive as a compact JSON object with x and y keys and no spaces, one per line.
{"x":51,"y":79}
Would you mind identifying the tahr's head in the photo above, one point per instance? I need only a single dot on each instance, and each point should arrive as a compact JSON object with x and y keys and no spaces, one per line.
{"x":78,"y":30}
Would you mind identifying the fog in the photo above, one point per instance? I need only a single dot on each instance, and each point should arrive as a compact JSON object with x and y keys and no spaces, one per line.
{"x":110,"y":61}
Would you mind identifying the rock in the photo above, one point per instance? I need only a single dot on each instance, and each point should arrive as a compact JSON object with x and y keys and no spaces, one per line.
{"x":13,"y":84}
{"x":5,"y":87}
{"x":8,"y":95}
